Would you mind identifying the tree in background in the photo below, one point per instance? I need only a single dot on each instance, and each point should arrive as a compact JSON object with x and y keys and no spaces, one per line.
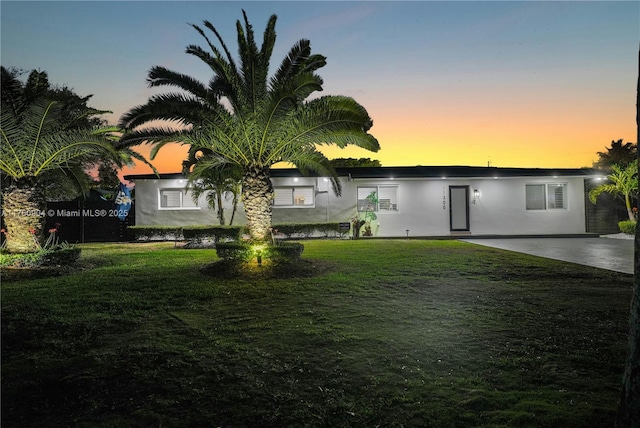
{"x":354,"y":163}
{"x":618,"y":154}
{"x":41,"y":143}
{"x":245,"y":118}
{"x":623,"y":182}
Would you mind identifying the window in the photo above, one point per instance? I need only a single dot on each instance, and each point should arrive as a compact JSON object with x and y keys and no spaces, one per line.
{"x":176,"y":199}
{"x":378,"y":198}
{"x":546,"y":196}
{"x":301,"y":196}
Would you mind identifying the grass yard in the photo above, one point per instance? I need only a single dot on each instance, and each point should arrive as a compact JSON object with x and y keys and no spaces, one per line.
{"x":392,"y":333}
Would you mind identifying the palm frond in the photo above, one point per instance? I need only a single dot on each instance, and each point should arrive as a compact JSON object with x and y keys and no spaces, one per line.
{"x":161,"y":76}
{"x":216,"y":52}
{"x":71,"y":147}
{"x":152,"y":135}
{"x":179,"y":108}
{"x":268,"y":42}
{"x":327,"y":120}
{"x":292,"y":63}
{"x":132,"y":154}
{"x":310,"y":160}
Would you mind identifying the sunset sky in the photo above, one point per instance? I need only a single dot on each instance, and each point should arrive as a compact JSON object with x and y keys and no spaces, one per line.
{"x":516,"y":84}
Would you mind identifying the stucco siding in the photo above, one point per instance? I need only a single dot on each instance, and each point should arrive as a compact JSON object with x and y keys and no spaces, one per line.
{"x":421,"y":206}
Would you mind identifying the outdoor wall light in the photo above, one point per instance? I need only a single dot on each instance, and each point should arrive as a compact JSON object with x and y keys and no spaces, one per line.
{"x":476,"y":195}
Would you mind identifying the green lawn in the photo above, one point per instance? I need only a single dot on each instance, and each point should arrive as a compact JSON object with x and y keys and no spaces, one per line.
{"x":392,"y":333}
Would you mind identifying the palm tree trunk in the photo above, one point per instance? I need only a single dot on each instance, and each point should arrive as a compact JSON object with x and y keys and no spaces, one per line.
{"x":234,"y":208}
{"x":221,"y":219}
{"x":257,"y":195}
{"x":24,"y":206}
{"x":627,"y":201}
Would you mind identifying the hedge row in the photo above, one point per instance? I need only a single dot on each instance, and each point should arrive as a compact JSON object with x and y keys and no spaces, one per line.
{"x":233,"y":233}
{"x":189,"y":233}
{"x":307,"y":230}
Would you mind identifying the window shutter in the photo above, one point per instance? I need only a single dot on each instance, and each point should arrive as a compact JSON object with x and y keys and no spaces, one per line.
{"x":283,"y":196}
{"x":388,"y":199}
{"x":363,"y":203}
{"x":170,"y":198}
{"x":187,"y":199}
{"x":535,"y":197}
{"x":303,"y":196}
{"x":555,"y":196}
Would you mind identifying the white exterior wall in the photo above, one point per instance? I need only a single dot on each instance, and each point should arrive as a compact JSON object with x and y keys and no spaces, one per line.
{"x":149,"y":212}
{"x":423,"y":206}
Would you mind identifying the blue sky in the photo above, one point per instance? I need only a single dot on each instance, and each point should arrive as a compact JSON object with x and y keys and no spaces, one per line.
{"x":512,"y":83}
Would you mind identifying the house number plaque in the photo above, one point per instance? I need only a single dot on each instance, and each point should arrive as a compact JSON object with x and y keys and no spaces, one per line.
{"x":444,"y":199}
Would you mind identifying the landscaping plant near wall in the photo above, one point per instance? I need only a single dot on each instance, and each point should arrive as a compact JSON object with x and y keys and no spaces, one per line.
{"x":219,"y":233}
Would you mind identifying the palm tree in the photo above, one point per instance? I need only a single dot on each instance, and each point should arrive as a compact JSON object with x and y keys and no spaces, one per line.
{"x":215,"y":183}
{"x":39,"y":144}
{"x":245,"y":118}
{"x":624,"y":182}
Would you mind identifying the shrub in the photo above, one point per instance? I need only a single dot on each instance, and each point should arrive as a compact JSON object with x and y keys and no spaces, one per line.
{"x":627,"y":226}
{"x":285,"y":251}
{"x":244,"y":253}
{"x":235,"y":251}
{"x":216,"y":233}
{"x":60,"y":256}
{"x":158,"y":232}
{"x":306,"y":230}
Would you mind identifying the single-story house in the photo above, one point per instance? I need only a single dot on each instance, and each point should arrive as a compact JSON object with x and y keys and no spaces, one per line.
{"x":404,"y":201}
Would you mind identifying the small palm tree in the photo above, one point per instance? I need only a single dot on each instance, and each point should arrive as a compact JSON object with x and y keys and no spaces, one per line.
{"x":623,"y":182}
{"x":245,"y":118}
{"x":40,"y":143}
{"x":215,"y":183}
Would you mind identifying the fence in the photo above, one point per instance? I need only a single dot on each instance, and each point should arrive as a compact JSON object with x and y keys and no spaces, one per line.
{"x":88,"y":221}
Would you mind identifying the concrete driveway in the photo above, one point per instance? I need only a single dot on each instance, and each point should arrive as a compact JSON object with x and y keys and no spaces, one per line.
{"x":603,"y":253}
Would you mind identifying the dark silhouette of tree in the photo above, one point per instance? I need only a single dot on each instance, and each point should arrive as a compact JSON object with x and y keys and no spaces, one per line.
{"x":354,"y":163}
{"x":41,"y":144}
{"x":619,"y":153}
{"x":248,"y":119}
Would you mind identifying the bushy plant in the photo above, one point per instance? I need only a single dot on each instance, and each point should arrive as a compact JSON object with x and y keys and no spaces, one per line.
{"x":155,"y":232}
{"x":244,"y":252}
{"x":627,"y":226}
{"x":306,"y":230}
{"x":284,"y":251}
{"x":62,"y":255}
{"x":235,"y":251}
{"x":216,"y":233}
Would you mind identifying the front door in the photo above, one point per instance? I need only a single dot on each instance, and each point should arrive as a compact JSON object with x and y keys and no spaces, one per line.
{"x":459,"y":208}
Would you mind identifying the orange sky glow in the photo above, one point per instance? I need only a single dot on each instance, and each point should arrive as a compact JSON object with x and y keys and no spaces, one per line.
{"x":535,"y":135}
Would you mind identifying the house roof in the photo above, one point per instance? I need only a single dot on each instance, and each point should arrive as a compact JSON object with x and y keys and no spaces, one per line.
{"x":415,"y":172}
